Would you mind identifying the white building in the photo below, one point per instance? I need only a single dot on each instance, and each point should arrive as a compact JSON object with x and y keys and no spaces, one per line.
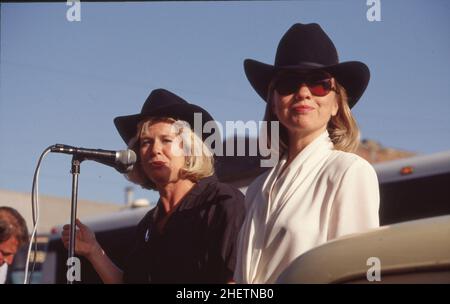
{"x":53,"y":210}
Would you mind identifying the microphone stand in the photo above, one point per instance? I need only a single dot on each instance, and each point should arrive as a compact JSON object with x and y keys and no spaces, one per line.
{"x":76,"y":161}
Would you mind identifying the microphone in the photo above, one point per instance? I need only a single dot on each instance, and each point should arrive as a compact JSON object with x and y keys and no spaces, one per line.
{"x":122,"y":161}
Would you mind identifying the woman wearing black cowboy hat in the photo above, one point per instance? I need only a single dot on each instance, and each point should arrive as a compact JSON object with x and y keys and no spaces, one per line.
{"x":190,"y":236}
{"x":318,"y":191}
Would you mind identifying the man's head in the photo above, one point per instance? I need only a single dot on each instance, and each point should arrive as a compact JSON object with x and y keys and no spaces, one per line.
{"x":13,"y":234}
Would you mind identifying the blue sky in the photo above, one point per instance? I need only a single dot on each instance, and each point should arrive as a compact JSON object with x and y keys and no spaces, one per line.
{"x":64,"y":82}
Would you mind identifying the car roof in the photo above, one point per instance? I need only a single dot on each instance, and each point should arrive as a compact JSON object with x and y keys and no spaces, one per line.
{"x":116,"y":220}
{"x":401,"y":248}
{"x":413,"y":167}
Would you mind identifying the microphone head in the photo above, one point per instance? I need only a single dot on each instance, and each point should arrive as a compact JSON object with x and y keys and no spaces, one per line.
{"x":125,"y":160}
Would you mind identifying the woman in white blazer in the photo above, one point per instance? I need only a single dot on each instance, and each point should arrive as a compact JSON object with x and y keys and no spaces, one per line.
{"x":318,"y":190}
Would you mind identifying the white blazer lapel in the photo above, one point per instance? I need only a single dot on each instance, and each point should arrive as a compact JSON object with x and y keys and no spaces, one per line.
{"x":294,"y":181}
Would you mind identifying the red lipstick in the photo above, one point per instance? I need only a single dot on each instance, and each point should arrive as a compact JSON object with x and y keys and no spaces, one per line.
{"x":302,"y":108}
{"x":157,"y":164}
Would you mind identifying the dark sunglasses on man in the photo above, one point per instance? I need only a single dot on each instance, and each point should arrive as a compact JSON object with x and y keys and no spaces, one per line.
{"x":318,"y":83}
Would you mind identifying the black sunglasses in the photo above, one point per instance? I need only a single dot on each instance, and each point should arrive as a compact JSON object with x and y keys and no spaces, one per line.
{"x":319,"y":84}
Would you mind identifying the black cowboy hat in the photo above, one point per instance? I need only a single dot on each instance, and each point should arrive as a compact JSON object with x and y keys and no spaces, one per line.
{"x":306,"y":47}
{"x":161,"y":103}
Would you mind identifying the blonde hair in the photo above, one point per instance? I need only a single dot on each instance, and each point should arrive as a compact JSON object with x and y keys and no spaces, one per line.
{"x":199,"y":160}
{"x":342,"y":128}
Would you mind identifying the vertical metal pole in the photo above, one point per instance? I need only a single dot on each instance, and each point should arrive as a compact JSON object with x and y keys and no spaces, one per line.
{"x":73,"y":214}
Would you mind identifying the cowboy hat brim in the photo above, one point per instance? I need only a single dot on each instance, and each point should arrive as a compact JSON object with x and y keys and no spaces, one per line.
{"x":352,"y":75}
{"x":127,"y":125}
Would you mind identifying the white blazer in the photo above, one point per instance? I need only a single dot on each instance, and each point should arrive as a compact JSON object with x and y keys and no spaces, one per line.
{"x":323,"y":194}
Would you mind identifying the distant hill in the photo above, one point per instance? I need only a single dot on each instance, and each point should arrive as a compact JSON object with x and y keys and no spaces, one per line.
{"x":374,"y":152}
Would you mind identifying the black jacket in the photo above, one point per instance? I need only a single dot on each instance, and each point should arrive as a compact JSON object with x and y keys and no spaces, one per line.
{"x":198,"y":242}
